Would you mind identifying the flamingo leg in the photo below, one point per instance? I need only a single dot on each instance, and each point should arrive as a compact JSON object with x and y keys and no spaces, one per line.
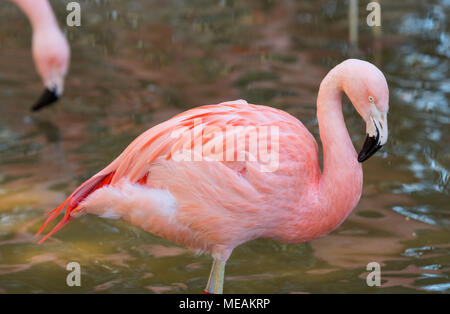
{"x":215,"y":281}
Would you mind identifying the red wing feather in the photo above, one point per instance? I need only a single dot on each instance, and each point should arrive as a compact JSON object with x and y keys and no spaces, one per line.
{"x":73,"y":200}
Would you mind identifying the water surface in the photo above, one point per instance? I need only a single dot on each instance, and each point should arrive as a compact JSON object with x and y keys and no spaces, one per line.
{"x":137,"y":63}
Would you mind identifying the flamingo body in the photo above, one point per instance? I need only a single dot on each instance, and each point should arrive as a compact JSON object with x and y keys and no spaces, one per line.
{"x":215,"y":205}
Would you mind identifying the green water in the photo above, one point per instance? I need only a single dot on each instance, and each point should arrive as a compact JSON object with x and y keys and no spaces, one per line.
{"x":137,"y":63}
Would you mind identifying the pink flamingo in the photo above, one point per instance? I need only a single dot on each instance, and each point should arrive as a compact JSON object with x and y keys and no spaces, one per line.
{"x":213,"y":206}
{"x":51,"y":52}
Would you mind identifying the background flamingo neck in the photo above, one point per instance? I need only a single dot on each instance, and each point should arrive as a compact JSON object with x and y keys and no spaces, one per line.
{"x":38,"y":12}
{"x":340,"y":185}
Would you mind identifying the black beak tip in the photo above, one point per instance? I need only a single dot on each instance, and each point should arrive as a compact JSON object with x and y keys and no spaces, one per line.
{"x":362,"y":156}
{"x":370,"y":147}
{"x":47,"y":98}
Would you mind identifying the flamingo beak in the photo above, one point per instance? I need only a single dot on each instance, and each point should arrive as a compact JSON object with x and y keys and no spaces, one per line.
{"x":48,"y":97}
{"x":370,"y":147}
{"x":376,"y":134}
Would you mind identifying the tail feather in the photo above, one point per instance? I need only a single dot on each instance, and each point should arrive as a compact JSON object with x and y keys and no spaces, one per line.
{"x":72,"y":202}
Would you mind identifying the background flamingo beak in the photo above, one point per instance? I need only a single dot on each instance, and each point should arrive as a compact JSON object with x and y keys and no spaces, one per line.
{"x":48,"y":97}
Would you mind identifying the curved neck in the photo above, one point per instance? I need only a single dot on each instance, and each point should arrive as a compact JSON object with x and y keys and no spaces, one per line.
{"x":39,"y":12}
{"x":340,"y":185}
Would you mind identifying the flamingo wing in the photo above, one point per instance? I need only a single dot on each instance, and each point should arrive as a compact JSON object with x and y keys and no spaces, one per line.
{"x":150,"y":160}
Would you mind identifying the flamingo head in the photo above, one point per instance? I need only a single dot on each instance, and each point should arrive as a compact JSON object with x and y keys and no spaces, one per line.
{"x":367,"y":89}
{"x":51,"y":54}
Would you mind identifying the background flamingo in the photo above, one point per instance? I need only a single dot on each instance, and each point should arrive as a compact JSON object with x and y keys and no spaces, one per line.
{"x":51,"y":52}
{"x":215,"y":206}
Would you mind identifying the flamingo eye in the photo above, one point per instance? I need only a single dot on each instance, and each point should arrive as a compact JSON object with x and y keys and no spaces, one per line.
{"x":371,"y":99}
